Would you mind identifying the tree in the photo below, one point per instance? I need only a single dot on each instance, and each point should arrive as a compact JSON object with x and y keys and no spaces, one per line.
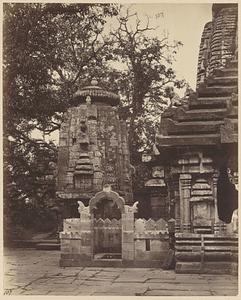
{"x":145,"y":80}
{"x":149,"y":77}
{"x":48,"y":49}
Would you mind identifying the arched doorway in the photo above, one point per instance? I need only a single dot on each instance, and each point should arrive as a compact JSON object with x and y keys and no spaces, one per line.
{"x":106,"y":210}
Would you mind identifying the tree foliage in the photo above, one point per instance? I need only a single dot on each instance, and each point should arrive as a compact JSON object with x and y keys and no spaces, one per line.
{"x":144,"y":77}
{"x":49,"y":51}
{"x":48,"y":48}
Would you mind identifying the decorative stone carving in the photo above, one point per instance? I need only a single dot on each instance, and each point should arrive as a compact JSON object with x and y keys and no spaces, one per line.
{"x":82,"y":208}
{"x":158,"y":172}
{"x":157,"y":182}
{"x":227,"y":132}
{"x":93,"y":147}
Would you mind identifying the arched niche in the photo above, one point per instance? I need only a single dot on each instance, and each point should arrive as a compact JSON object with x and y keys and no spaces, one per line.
{"x":109,"y":195}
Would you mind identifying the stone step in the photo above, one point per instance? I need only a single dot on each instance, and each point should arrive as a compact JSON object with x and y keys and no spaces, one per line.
{"x":224,"y":80}
{"x":188,"y":140}
{"x":201,"y":114}
{"x":209,"y":102}
{"x":217,"y":91}
{"x":47,"y":246}
{"x":33,"y":243}
{"x":192,"y":127}
{"x":226,"y":72}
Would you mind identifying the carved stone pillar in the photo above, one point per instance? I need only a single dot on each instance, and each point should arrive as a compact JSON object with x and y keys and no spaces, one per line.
{"x":174,"y":199}
{"x":185,"y":190}
{"x":219,"y":226}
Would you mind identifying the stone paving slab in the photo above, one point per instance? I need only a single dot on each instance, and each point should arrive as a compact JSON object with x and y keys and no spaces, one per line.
{"x":37,"y":272}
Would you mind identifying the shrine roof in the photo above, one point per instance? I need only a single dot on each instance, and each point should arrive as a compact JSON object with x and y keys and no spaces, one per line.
{"x":209,"y":118}
{"x":96,"y":94}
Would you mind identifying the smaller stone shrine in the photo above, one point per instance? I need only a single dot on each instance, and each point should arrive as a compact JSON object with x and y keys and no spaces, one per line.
{"x":93,"y":150}
{"x":107,"y":234}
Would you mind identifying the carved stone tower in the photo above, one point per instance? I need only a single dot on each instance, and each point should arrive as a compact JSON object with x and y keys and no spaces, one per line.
{"x":93,"y":149}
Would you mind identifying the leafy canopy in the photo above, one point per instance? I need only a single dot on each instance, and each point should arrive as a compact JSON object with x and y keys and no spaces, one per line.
{"x":51,"y":50}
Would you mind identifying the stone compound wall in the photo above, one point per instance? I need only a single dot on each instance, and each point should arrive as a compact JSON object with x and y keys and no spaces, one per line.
{"x":93,"y":151}
{"x":151,"y":241}
{"x":143,"y":243}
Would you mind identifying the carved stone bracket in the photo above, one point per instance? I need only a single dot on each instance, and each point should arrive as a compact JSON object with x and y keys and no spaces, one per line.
{"x":131,"y":209}
{"x":82,"y":208}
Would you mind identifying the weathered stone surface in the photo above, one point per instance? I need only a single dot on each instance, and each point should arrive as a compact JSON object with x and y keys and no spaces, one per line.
{"x":35,"y":272}
{"x":90,"y":137}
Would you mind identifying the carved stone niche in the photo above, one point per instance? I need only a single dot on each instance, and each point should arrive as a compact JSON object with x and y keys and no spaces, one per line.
{"x":201,"y":206}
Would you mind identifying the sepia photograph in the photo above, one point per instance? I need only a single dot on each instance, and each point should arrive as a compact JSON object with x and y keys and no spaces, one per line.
{"x":120,"y":148}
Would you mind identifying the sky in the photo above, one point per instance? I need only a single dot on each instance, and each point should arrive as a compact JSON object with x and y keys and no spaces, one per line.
{"x":183,"y":22}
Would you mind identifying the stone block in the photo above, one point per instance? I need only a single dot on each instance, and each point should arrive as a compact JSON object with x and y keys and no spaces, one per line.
{"x":140,"y":226}
{"x":75,"y":245}
{"x":156,"y":255}
{"x":71,"y":225}
{"x":85,"y":238}
{"x":86,"y":226}
{"x":128,"y":246}
{"x":140,"y":245}
{"x":188,"y":267}
{"x":65,"y":246}
{"x":155,"y":245}
{"x":128,"y":255}
{"x":85,"y":250}
{"x":142,"y":255}
{"x":128,"y":225}
{"x":128,"y":237}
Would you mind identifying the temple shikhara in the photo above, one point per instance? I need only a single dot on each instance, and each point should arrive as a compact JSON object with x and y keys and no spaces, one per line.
{"x":184,"y":215}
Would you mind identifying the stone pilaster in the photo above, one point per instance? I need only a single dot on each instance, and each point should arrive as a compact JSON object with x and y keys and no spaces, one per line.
{"x":128,"y":245}
{"x":185,"y":191}
{"x":174,"y":199}
{"x":219,"y":226}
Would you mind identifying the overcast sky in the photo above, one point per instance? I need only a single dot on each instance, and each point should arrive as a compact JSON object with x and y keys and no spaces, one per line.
{"x":185,"y":23}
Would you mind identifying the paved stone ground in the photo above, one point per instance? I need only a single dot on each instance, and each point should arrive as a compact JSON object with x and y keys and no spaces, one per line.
{"x":35,"y":272}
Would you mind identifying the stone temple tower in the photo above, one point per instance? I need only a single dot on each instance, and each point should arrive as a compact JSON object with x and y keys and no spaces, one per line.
{"x":93,"y":150}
